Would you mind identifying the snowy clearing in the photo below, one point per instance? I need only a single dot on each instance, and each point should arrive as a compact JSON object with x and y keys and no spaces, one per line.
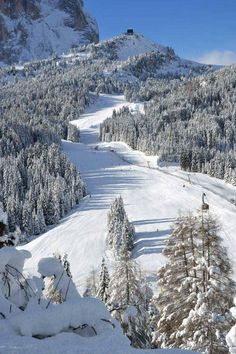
{"x":153,"y":199}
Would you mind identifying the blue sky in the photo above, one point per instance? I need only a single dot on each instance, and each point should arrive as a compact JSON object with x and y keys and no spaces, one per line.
{"x":203,"y":30}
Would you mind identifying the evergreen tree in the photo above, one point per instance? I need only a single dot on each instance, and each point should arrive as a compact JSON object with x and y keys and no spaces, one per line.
{"x":51,"y":293}
{"x":126,"y":295}
{"x":208,"y":322}
{"x":128,"y":234}
{"x":73,"y":133}
{"x":58,"y":283}
{"x":91,"y":285}
{"x":104,"y":280}
{"x":175,"y":301}
{"x":120,"y":231}
{"x":7,"y":238}
{"x":195,"y":288}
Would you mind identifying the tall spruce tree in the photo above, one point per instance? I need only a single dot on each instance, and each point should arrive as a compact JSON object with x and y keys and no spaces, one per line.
{"x":195,"y":288}
{"x":120,"y":231}
{"x":91,"y":284}
{"x":7,"y":238}
{"x":104,"y":280}
{"x":128,"y":302}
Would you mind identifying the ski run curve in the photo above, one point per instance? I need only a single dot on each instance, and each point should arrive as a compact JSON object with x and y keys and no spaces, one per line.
{"x":153,"y":198}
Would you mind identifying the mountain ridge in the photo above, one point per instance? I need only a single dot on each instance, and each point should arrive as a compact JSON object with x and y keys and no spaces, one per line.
{"x":36,"y":29}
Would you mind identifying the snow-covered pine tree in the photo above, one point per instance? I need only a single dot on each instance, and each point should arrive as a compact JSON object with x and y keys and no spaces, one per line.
{"x":115,"y":219}
{"x":51,"y":292}
{"x":41,"y":219}
{"x":91,"y":284}
{"x":208,"y":323}
{"x":6,"y":239}
{"x":127,"y":301}
{"x":104,"y":280}
{"x":128,"y":234}
{"x":73,"y":133}
{"x":195,"y":288}
{"x":120,"y":231}
{"x":175,"y":281}
{"x":3,"y":226}
{"x":58,"y":283}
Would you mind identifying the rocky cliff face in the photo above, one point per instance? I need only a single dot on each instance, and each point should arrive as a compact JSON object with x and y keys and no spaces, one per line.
{"x":35,"y":29}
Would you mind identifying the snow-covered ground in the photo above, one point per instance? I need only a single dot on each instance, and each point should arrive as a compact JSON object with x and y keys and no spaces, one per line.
{"x":153,"y":198}
{"x":69,"y":343}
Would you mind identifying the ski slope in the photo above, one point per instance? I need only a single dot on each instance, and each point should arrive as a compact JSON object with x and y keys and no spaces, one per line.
{"x":153,"y":198}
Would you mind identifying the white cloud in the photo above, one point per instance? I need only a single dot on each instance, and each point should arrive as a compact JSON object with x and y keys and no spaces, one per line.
{"x":225,"y":57}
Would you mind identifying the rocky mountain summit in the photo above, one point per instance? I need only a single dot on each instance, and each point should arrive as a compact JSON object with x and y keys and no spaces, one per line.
{"x":35,"y":29}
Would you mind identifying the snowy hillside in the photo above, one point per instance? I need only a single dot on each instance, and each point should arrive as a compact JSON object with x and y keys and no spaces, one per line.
{"x":153,"y":199}
{"x":129,"y":51}
{"x":111,"y":65}
{"x":124,"y":46}
{"x":43,"y":28}
{"x":96,"y":219}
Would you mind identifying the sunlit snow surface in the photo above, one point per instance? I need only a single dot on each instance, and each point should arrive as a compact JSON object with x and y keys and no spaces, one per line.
{"x":153,"y":199}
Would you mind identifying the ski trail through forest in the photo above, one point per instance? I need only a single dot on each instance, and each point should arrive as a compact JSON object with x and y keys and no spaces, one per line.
{"x":153,"y":199}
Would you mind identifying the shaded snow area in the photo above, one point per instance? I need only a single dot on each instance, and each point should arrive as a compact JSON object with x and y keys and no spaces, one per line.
{"x":67,"y":343}
{"x":153,"y":198}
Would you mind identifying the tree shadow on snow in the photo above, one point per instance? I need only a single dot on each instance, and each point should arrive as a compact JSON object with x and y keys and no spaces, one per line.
{"x":153,"y":221}
{"x":150,"y":242}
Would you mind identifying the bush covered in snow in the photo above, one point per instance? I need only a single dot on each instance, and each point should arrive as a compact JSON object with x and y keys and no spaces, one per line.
{"x":28,"y":308}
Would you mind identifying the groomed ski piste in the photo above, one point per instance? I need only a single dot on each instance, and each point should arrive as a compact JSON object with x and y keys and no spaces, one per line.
{"x":154,"y":197}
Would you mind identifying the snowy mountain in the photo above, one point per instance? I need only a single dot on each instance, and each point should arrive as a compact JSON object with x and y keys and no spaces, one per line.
{"x":36,"y":29}
{"x":134,"y":53}
{"x":62,"y":170}
{"x":124,"y":46}
{"x":114,"y":64}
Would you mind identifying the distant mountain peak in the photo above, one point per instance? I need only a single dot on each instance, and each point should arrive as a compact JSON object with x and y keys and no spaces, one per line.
{"x":129,"y":44}
{"x":130,"y":56}
{"x":35,"y":29}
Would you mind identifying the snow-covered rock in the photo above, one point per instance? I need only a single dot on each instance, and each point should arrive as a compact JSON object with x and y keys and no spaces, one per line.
{"x":36,"y":29}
